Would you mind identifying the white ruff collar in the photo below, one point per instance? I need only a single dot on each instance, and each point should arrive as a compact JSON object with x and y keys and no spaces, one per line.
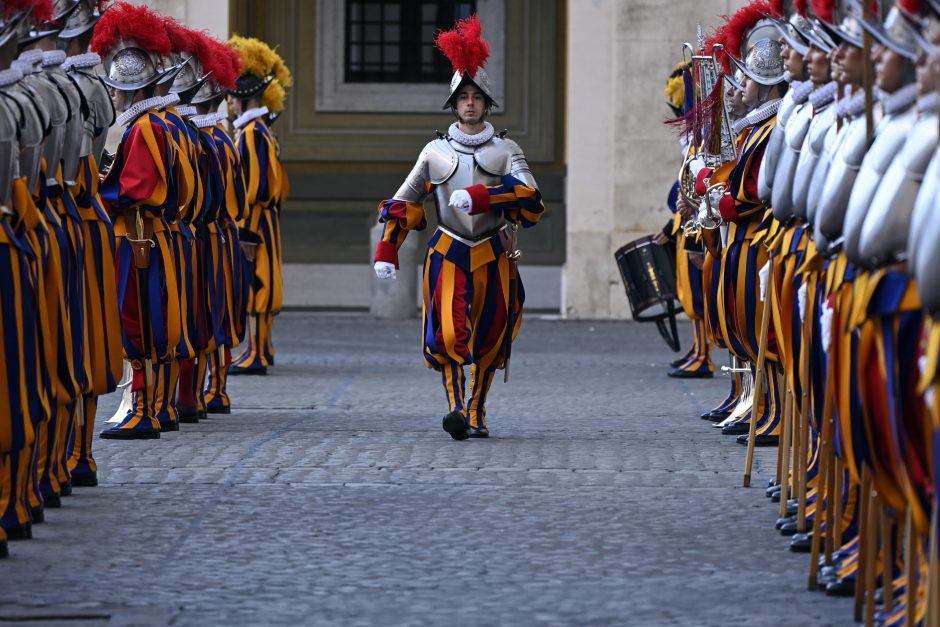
{"x":209,"y":119}
{"x":9,"y":76}
{"x":471,"y":140}
{"x":758,"y":115}
{"x":170,"y":100}
{"x":138,"y":108}
{"x":900,"y":100}
{"x":821,"y":98}
{"x":801,"y":91}
{"x":249,"y":115}
{"x":187,"y":110}
{"x":929,"y":103}
{"x":82,"y":61}
{"x":52,"y":58}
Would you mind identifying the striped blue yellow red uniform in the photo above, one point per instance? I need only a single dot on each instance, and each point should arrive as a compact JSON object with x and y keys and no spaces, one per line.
{"x":467,"y":293}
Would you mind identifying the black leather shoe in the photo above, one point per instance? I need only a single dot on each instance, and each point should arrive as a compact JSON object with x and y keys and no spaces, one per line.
{"x":482,"y":432}
{"x":4,"y":551}
{"x":22,"y":532}
{"x":65,"y":488}
{"x":690,"y":374}
{"x":220,"y":409}
{"x":234,"y":372}
{"x":760,"y":440}
{"x":188,"y":414}
{"x":716,"y":416}
{"x":52,"y":500}
{"x":169,"y":426}
{"x":455,"y":423}
{"x":801,"y":543}
{"x":116,"y":433}
{"x":675,"y":363}
{"x":37,"y":515}
{"x":792,"y":510}
{"x":735,"y":429}
{"x":782,"y":521}
{"x":841,"y":588}
{"x":789,"y":529}
{"x":769,"y":492}
{"x":85,"y":480}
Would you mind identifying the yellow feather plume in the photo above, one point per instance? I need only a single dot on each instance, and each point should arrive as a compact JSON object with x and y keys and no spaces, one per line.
{"x":274,"y":97}
{"x":259,"y":59}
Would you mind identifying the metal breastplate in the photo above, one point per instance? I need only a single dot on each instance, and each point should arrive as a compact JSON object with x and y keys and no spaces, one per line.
{"x":32,"y":124}
{"x":797,"y":127}
{"x":9,"y":148}
{"x":813,"y":147}
{"x":52,"y":101}
{"x":74,"y":128}
{"x":923,"y":242}
{"x":889,"y":140}
{"x":887,"y":226}
{"x":450,"y":166}
{"x":840,"y":178}
{"x":773,"y":151}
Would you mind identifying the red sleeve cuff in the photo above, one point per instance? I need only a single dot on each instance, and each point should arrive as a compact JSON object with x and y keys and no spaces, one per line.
{"x":387,"y":252}
{"x":727,"y":209}
{"x":700,"y":186}
{"x":481,"y":199}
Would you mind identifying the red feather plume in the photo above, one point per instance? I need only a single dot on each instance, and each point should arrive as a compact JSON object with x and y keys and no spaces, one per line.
{"x":464,"y":46}
{"x":800,"y":6}
{"x":737,"y":26}
{"x":777,"y":8}
{"x":825,"y":10}
{"x":911,"y":7}
{"x":128,"y":22}
{"x":220,"y":61}
{"x":40,"y":10}
{"x":181,"y":38}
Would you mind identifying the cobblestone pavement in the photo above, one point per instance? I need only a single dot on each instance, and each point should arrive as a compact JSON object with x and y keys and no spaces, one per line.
{"x":331,"y":496}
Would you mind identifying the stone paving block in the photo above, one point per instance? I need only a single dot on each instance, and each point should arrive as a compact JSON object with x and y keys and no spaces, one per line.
{"x":331,"y":496}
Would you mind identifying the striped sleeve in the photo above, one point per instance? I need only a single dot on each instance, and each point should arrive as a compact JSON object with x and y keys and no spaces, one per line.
{"x":142,"y":177}
{"x":518,"y":202}
{"x":398,"y":217}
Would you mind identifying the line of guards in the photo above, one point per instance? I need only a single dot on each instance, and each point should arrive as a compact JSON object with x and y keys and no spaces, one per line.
{"x":165,"y":255}
{"x":813,"y":256}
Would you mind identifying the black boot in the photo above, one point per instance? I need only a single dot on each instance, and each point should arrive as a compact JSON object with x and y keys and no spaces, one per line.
{"x":455,"y":423}
{"x":482,"y":432}
{"x":188,"y":414}
{"x":85,"y":480}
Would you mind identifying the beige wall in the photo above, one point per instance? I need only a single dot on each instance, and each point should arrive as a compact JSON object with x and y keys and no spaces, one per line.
{"x":621,"y":159}
{"x":210,"y":15}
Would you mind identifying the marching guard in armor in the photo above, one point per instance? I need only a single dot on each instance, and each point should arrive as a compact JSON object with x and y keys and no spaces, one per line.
{"x":483,"y":191}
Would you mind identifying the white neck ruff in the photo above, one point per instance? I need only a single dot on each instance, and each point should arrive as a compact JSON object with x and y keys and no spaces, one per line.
{"x":471,"y":140}
{"x":187,"y":110}
{"x":138,"y":108}
{"x":209,"y":119}
{"x":82,"y":61}
{"x":249,"y":115}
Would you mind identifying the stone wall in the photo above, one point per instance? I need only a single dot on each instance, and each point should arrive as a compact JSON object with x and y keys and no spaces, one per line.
{"x":621,"y":159}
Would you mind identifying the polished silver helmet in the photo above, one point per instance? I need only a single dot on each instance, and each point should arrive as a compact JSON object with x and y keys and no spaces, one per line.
{"x":130,"y":67}
{"x":848,"y":28}
{"x":892,"y":33}
{"x":794,"y":31}
{"x":85,"y":16}
{"x":190,"y":79}
{"x":480,"y":80}
{"x":763,"y":63}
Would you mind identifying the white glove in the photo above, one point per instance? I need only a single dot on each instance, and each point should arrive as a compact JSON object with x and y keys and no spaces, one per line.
{"x":929,"y":395}
{"x":801,"y":300}
{"x":695,"y":166}
{"x":461,"y":201}
{"x":825,"y":326}
{"x":764,"y":274}
{"x":385,"y":270}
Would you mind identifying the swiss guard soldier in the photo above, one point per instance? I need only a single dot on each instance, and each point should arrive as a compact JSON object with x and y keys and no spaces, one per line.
{"x":21,"y":359}
{"x":81,"y":175}
{"x":260,"y":230}
{"x":136,"y":190}
{"x":751,"y":35}
{"x":483,"y":191}
{"x":222,"y":65}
